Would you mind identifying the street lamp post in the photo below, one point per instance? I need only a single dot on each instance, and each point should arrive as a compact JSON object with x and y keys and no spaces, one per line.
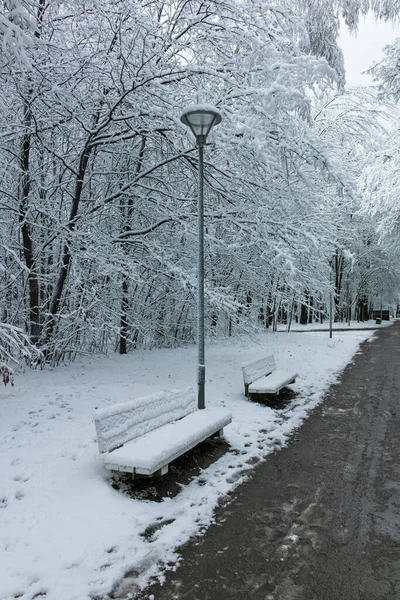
{"x":330,"y":300}
{"x":200,"y":120}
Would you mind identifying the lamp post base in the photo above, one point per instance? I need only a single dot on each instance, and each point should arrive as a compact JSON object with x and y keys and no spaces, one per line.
{"x":201,"y":380}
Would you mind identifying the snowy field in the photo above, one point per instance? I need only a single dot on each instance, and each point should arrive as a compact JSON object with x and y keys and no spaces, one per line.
{"x":65,"y":533}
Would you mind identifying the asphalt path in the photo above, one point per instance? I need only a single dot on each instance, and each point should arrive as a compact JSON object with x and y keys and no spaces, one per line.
{"x":320,"y":519}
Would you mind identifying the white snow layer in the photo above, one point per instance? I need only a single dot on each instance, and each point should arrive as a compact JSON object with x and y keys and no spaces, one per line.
{"x":125,"y":421}
{"x":65,"y":533}
{"x":157,"y":448}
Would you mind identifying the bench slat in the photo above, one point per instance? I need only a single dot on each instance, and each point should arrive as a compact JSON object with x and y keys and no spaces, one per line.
{"x":150,"y":452}
{"x":271,"y":384}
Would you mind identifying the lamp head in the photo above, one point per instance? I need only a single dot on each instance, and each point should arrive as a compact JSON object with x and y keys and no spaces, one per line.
{"x":200,"y":119}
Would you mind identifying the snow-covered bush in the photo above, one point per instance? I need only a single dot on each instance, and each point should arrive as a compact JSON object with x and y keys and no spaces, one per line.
{"x":16,"y":351}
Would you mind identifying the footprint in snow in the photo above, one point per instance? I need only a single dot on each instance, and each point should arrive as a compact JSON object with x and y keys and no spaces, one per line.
{"x":18,"y":426}
{"x":21,"y":478}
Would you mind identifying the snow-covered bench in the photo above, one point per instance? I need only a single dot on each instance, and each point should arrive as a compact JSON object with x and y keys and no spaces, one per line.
{"x":144,"y":435}
{"x":262,"y":377}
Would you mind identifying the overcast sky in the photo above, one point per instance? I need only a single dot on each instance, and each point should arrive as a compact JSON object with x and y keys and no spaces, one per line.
{"x":365,"y":48}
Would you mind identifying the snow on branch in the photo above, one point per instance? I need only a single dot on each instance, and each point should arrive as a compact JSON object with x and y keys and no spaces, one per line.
{"x":15,"y":348}
{"x":17,"y":28}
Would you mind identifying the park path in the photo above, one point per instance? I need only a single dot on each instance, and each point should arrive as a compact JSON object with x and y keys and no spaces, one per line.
{"x":320,"y":519}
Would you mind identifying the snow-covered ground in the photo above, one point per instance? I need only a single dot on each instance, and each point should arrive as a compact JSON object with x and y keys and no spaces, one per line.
{"x":65,"y":534}
{"x":335,"y":326}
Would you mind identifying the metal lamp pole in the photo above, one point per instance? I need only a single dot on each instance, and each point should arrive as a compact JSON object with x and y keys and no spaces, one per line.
{"x":200,"y":120}
{"x":201,"y":366}
{"x":330,"y":300}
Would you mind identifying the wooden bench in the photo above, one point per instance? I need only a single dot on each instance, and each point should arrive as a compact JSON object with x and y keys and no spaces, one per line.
{"x":143,"y":436}
{"x":262,"y":377}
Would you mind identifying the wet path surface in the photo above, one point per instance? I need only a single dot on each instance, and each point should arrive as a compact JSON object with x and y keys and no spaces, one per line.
{"x":319,"y":520}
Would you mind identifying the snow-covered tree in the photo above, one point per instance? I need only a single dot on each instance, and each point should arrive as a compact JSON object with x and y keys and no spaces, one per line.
{"x":98,"y":177}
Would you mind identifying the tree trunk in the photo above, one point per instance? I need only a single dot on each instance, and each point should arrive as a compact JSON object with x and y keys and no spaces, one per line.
{"x":125,"y":283}
{"x":339,"y":264}
{"x":123,"y":331}
{"x":303,"y":314}
{"x":311,"y":311}
{"x":66,"y":255}
{"x":27,"y":241}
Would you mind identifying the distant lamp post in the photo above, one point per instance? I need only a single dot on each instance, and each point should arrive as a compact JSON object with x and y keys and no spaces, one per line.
{"x":330,"y":300}
{"x":200,"y":120}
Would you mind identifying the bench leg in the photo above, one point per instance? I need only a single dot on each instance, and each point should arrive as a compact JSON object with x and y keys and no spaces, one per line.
{"x":162,"y":471}
{"x":218,"y":434}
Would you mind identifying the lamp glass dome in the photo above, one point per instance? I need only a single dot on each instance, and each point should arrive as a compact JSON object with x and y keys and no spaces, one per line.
{"x":200,"y":119}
